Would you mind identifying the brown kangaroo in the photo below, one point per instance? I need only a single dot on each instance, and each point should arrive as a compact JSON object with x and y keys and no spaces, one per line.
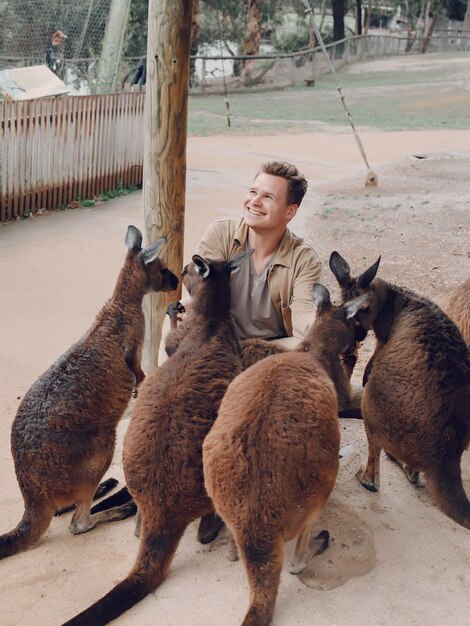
{"x":416,"y":403}
{"x":271,"y":458}
{"x":176,"y":407}
{"x":64,"y":432}
{"x":457,"y":306}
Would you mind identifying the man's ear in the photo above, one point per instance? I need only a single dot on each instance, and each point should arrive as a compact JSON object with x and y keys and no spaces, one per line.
{"x":291,"y":211}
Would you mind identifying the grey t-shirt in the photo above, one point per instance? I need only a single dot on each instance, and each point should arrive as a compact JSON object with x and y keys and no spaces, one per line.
{"x":252,"y":309}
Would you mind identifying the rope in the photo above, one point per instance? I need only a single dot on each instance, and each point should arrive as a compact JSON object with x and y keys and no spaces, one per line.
{"x":227,"y":103}
{"x":308,"y":9}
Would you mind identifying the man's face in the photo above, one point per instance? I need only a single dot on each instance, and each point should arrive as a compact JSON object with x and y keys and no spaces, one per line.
{"x":265,"y":206}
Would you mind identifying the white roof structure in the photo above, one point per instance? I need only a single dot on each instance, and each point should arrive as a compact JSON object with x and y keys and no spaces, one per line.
{"x":27,"y":83}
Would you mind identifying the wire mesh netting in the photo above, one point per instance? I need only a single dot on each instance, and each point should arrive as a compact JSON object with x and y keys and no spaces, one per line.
{"x":26,"y":36}
{"x":93,"y":52}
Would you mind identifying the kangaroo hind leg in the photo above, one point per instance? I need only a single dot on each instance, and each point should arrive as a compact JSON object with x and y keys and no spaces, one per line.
{"x":369,"y":477}
{"x":300,"y":557}
{"x":83,"y":520}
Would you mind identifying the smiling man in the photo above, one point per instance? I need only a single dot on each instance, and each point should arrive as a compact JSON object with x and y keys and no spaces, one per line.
{"x":271,"y":294}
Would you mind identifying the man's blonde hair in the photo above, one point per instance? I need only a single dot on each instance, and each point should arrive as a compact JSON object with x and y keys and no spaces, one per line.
{"x":296,"y":182}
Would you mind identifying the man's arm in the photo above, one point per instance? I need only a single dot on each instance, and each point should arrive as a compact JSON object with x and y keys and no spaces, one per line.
{"x":302,"y":311}
{"x":287,"y":343}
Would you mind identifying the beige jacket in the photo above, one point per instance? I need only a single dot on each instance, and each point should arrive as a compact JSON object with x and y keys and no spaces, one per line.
{"x":295,"y":269}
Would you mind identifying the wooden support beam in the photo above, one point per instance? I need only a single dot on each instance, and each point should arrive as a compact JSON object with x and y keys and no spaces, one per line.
{"x":166,"y":104}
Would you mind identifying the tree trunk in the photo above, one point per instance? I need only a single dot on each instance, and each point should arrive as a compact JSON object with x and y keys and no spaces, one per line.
{"x":194,"y":42}
{"x":338,"y":19}
{"x":166,"y":110}
{"x":426,"y":19}
{"x":411,"y":38}
{"x":369,"y":11}
{"x":252,"y":39}
{"x":431,"y":24}
{"x":112,"y":46}
{"x":323,"y":14}
{"x":358,"y":17}
{"x":466,"y":19}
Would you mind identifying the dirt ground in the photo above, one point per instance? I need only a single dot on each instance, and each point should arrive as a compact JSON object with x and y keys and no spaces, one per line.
{"x":394,"y":557}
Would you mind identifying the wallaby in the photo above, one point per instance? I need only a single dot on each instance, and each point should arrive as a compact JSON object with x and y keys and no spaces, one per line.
{"x":416,"y":402}
{"x":271,"y":458}
{"x":63,"y":435}
{"x":175,"y":409}
{"x":457,"y":306}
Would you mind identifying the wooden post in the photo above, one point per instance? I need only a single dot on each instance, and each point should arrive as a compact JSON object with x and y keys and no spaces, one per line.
{"x":166,"y":112}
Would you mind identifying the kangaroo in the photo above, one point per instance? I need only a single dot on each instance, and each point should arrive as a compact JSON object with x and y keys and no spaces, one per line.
{"x":271,"y":458}
{"x":175,"y":409}
{"x":456,"y":305}
{"x":63,"y":435}
{"x":416,"y":402}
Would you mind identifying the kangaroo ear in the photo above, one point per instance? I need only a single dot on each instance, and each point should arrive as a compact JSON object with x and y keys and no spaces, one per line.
{"x":320,"y":296}
{"x":133,"y":239}
{"x":368,"y":276}
{"x":340,"y":269}
{"x":150,"y":253}
{"x":352,"y":307}
{"x":236,"y":261}
{"x":202,"y":267}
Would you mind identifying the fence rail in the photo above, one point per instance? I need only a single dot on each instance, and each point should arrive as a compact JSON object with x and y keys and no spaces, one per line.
{"x":278,"y":71}
{"x":57,"y":150}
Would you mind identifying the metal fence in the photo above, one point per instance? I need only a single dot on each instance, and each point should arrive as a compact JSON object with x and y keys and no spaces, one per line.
{"x":277,"y":71}
{"x":58,"y":150}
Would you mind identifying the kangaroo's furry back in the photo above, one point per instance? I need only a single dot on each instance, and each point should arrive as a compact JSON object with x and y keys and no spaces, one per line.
{"x":457,"y":306}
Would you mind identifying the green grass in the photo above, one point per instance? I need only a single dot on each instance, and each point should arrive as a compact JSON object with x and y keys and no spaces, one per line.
{"x":120,"y":190}
{"x":405,"y":93}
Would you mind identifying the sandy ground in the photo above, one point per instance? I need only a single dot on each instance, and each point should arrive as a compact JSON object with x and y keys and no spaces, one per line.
{"x":395,"y":558}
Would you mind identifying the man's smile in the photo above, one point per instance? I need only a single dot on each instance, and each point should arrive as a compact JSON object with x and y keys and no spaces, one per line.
{"x":254,"y":211}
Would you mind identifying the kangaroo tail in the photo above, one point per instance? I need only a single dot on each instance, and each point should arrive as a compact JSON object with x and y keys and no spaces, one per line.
{"x":446,"y":486}
{"x":35,"y":522}
{"x":263,"y":564}
{"x":155,"y":556}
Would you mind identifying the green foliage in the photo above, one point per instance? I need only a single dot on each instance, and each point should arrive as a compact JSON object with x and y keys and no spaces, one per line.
{"x":135,"y":43}
{"x":220,"y":18}
{"x":87,"y":203}
{"x":228,"y":18}
{"x":120,"y":190}
{"x":292,"y":34}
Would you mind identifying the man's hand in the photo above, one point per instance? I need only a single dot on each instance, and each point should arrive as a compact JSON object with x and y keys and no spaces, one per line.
{"x":176,"y":312}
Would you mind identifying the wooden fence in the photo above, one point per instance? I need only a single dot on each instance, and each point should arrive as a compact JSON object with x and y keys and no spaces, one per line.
{"x":55,"y":151}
